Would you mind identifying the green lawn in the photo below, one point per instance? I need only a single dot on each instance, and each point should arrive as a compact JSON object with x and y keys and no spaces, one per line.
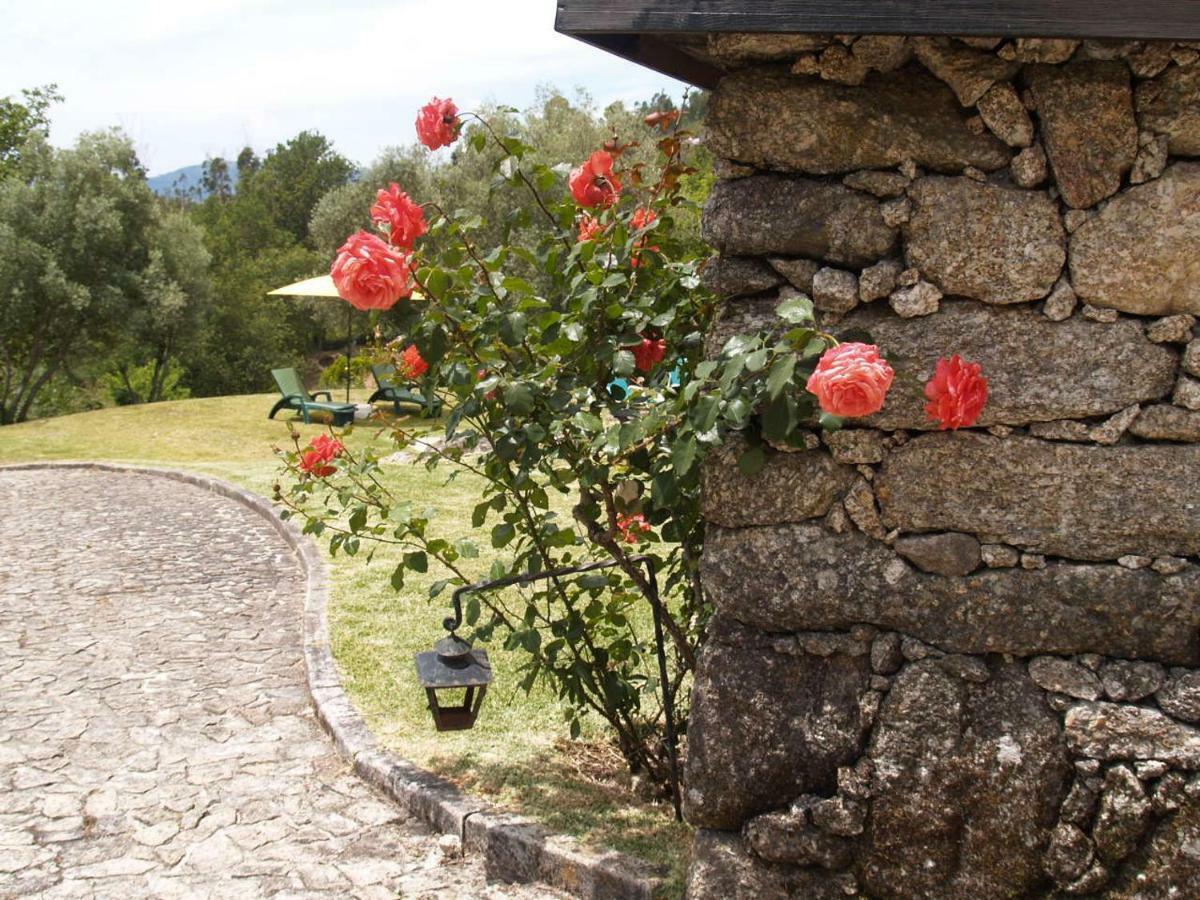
{"x":516,"y":754}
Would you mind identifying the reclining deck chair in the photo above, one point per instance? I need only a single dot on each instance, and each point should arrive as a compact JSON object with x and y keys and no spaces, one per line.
{"x":296,"y":397}
{"x":396,"y":394}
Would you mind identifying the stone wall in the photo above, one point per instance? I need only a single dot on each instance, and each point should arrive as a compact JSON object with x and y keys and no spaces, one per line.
{"x":960,"y":665}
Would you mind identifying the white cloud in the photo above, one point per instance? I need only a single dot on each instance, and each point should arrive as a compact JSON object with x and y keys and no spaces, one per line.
{"x":192,"y":80}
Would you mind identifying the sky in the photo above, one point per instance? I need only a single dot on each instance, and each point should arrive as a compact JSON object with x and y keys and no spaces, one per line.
{"x":192,"y":80}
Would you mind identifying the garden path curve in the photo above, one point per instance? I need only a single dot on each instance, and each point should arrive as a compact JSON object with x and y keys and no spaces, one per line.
{"x":156,"y":737}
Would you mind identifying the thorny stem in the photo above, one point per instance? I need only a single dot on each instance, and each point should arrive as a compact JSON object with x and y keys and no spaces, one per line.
{"x":537,"y":197}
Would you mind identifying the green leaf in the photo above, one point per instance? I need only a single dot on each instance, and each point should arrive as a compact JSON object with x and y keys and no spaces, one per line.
{"x":778,"y":419}
{"x":623,"y":363}
{"x":466,"y":548}
{"x":518,"y":399}
{"x":683,"y":454}
{"x":664,"y":490}
{"x":588,"y":422}
{"x":737,"y":412}
{"x":398,"y":578}
{"x":815,"y":347}
{"x":757,"y":360}
{"x":512,"y":329}
{"x":502,"y":533}
{"x":417,"y":561}
{"x":830,"y":422}
{"x":781,"y":375}
{"x":796,"y":309}
{"x":479,"y":514}
{"x":438,"y":586}
{"x":752,"y":461}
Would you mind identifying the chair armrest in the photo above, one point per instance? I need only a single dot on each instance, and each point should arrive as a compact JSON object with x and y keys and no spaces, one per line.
{"x":315,"y":394}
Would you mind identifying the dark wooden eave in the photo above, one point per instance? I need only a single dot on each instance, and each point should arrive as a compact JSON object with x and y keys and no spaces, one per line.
{"x":646,"y":31}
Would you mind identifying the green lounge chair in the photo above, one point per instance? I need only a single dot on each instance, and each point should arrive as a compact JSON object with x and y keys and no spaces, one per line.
{"x":296,"y":397}
{"x":430,"y":406}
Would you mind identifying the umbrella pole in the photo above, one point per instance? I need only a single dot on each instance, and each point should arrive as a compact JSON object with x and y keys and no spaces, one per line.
{"x":349,"y":345}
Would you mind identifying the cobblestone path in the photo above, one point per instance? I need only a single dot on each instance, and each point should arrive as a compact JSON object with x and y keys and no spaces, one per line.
{"x":156,"y":737}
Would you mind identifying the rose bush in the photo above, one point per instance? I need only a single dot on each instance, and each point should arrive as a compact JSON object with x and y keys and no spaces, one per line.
{"x":524,"y":345}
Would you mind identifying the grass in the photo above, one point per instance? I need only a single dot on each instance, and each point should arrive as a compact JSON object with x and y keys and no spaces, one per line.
{"x":516,"y":754}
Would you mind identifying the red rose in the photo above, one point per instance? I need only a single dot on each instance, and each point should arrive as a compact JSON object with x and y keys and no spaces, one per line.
{"x":311,"y":462}
{"x":411,"y":364}
{"x":321,"y":451}
{"x":851,"y":380}
{"x":438,"y":124}
{"x":648,"y":354}
{"x":369,"y":274}
{"x":593,"y":183}
{"x":404,"y":218}
{"x":589,"y":228}
{"x":642,"y":218}
{"x":632,"y":527}
{"x":329,"y":447}
{"x":957,"y":393}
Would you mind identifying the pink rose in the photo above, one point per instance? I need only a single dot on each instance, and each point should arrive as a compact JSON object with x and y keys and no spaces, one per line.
{"x":371,"y":275}
{"x":957,"y":393}
{"x":404,"y":218}
{"x":851,"y":380}
{"x":593,"y":183}
{"x":438,"y":124}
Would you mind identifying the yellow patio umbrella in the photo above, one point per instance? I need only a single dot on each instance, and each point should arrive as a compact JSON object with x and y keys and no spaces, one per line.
{"x":323,"y":286}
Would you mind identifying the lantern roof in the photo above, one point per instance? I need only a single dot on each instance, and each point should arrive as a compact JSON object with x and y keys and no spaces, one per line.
{"x":670,"y":36}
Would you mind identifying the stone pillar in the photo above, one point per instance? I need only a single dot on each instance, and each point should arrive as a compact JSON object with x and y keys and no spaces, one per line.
{"x":961,"y":665}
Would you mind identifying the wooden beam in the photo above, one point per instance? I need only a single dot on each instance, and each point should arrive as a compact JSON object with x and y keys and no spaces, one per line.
{"x":1151,"y":19}
{"x":655,"y":53}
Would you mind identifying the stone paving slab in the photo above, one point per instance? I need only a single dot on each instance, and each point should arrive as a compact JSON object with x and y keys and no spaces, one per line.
{"x":156,"y":737}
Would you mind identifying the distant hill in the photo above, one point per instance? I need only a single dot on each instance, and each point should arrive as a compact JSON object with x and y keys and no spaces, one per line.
{"x":184,"y":180}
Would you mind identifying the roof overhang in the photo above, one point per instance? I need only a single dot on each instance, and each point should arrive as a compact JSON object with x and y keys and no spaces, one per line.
{"x":652,"y":32}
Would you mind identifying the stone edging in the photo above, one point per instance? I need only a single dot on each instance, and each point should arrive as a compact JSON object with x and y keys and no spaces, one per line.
{"x":515,"y":849}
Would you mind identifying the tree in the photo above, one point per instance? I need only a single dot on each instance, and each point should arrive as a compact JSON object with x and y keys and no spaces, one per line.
{"x":215,"y":178}
{"x":247,"y":333}
{"x":345,"y":209}
{"x":294,"y":176}
{"x":73,"y":249}
{"x":21,"y":120}
{"x":247,"y":163}
{"x":176,"y":291}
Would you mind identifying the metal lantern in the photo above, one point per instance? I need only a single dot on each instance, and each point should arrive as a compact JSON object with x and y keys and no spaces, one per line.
{"x":452,"y":666}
